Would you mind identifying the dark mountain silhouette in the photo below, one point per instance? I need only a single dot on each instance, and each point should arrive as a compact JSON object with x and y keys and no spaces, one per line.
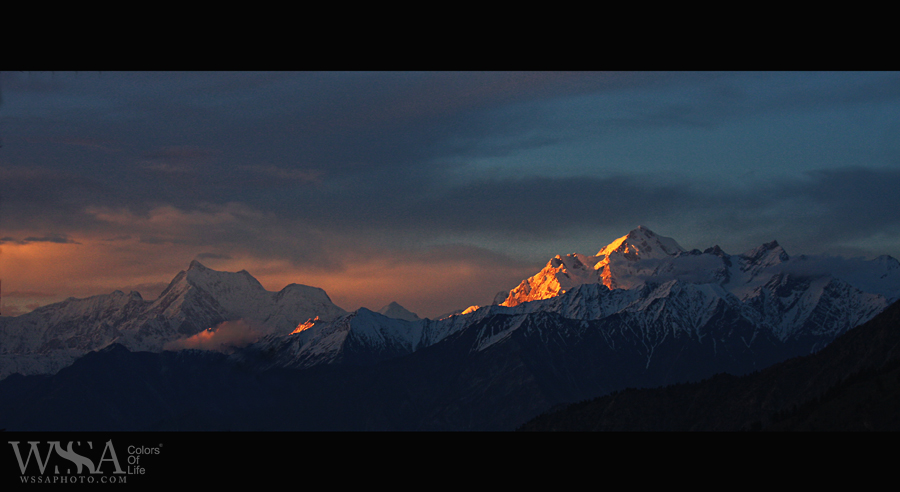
{"x":443,"y":387}
{"x":852,"y":384}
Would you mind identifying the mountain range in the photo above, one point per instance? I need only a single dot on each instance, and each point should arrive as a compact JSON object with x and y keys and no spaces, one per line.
{"x":642,"y":312}
{"x":196,"y":300}
{"x":853,"y":384}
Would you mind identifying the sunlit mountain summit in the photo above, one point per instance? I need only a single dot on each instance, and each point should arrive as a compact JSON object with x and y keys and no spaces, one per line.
{"x":643,"y":311}
{"x":651,"y":287}
{"x":648,"y":278}
{"x":772,"y":288}
{"x":612,"y":266}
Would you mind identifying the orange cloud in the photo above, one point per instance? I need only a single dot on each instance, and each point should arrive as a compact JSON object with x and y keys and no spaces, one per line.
{"x":87,"y":267}
{"x":430,"y":282}
{"x":427,"y":286}
{"x":225,"y":337}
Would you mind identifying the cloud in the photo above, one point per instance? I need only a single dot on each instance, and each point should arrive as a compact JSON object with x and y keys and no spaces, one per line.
{"x":383,"y":145}
{"x":49,"y":238}
{"x":224,"y":337}
{"x":182,"y":153}
{"x":430,"y":280}
{"x":825,"y":209}
{"x":167,"y":168}
{"x":84,"y":143}
{"x":535,"y":206}
{"x":28,"y":294}
{"x":45,"y":198}
{"x":855,"y":199}
{"x":275,"y":176}
{"x":14,"y":310}
{"x":234,"y":229}
{"x":686,"y":268}
{"x":712,"y":99}
{"x":180,"y":160}
{"x":324,"y":173}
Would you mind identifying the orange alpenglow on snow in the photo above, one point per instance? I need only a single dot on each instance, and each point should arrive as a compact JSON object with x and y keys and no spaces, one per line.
{"x":471,"y":309}
{"x":565,"y":272}
{"x":305,"y":326}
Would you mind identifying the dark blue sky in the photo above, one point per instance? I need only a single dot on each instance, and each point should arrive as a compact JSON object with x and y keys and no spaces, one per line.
{"x":432,"y":189}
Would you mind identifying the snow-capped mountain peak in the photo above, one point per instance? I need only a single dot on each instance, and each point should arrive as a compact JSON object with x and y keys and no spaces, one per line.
{"x":644,"y":244}
{"x":396,"y":311}
{"x":213,"y":280}
{"x":642,"y":285}
{"x":239,"y":295}
{"x":613,"y":266}
{"x":197,"y":299}
{"x":767,"y":255}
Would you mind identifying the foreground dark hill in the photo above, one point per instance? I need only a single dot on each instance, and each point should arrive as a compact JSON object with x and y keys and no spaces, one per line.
{"x":115,"y":389}
{"x":448,"y":386}
{"x":545,"y":361}
{"x":852,"y":384}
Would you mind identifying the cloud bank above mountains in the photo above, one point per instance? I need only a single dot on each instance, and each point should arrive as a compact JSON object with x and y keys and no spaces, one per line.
{"x":432,"y":189}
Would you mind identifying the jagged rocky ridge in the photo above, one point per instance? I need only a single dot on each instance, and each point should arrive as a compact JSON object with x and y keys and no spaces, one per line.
{"x":642,"y":312}
{"x":197,"y":299}
{"x":649,"y":290}
{"x":853,"y":384}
